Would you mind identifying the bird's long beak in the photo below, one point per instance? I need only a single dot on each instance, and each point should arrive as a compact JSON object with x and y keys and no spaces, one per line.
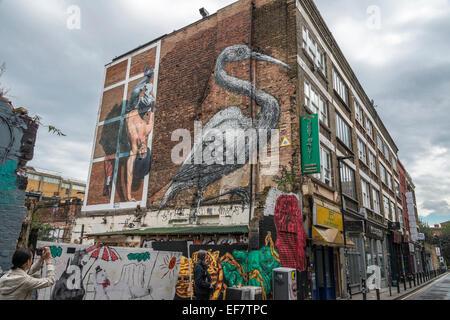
{"x":262,"y":57}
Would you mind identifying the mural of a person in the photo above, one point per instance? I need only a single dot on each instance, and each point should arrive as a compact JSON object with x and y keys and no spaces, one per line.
{"x":139,"y":124}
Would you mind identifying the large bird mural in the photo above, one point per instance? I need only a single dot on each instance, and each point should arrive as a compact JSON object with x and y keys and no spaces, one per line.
{"x":231,"y":122}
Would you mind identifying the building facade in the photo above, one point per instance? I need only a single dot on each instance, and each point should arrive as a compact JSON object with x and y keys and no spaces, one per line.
{"x":45,"y":184}
{"x":253,"y":69}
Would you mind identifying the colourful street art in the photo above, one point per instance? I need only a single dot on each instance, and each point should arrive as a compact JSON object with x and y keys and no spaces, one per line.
{"x":233,"y":269}
{"x":291,"y":236}
{"x":107,"y":273}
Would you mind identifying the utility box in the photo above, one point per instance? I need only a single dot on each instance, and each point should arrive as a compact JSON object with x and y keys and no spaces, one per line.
{"x":244,"y":293}
{"x":284,"y":284}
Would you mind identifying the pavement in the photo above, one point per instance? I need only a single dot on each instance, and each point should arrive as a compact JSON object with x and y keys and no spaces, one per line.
{"x":393,"y":294}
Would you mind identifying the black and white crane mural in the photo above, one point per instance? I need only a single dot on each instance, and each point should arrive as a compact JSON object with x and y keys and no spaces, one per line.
{"x":231,"y":122}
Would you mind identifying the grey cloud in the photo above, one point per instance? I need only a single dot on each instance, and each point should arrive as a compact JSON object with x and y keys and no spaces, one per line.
{"x":439,"y":207}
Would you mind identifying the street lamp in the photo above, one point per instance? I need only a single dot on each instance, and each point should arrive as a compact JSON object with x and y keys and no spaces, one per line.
{"x":340,"y":159}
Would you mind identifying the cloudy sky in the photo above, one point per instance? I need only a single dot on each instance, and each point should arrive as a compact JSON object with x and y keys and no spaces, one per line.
{"x":398,"y":49}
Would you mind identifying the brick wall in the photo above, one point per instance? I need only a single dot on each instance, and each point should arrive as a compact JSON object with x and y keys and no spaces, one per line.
{"x":187,"y":91}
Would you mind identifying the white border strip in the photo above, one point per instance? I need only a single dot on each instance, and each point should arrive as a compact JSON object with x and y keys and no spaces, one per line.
{"x":122,"y":205}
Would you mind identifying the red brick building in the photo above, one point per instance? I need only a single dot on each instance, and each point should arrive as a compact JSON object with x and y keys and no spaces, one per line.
{"x":259,"y":65}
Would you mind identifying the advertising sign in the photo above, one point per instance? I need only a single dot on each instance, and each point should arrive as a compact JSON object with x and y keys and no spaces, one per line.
{"x":327,"y":217}
{"x":421,"y":236}
{"x":310,"y":144}
{"x":438,"y":251}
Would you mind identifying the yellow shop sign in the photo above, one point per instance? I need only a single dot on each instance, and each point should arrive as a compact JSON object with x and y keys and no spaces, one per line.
{"x":327,"y":218}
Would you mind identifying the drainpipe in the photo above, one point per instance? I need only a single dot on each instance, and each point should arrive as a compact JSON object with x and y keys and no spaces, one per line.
{"x":250,"y":43}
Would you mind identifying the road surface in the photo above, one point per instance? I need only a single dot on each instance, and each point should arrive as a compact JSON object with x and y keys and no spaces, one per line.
{"x":437,"y":290}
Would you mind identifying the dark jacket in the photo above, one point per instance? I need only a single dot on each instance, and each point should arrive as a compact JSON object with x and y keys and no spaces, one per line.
{"x":202,"y":280}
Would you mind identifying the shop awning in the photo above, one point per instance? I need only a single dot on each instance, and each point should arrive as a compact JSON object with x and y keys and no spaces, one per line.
{"x":330,"y":237}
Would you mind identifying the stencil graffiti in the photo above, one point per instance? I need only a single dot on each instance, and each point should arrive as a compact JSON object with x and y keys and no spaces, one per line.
{"x":100,"y":273}
{"x":193,"y":174}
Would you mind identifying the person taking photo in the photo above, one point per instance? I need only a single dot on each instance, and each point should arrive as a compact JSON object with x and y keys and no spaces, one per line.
{"x":19,"y":282}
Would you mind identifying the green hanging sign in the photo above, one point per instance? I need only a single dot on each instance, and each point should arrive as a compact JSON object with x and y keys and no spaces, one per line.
{"x":310,"y":144}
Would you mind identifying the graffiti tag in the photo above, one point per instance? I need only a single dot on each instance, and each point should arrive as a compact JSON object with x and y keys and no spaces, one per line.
{"x":56,"y":251}
{"x":139,"y":256}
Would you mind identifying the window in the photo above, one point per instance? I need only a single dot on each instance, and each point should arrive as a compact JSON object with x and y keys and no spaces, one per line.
{"x":34,"y":177}
{"x":386,"y":206}
{"x":79,"y":188}
{"x":382,"y":173}
{"x":394,"y":164}
{"x":372,"y":162}
{"x":315,"y":103}
{"x":65,"y":186}
{"x":358,"y":113}
{"x":313,"y":50}
{"x":362,"y":151}
{"x":386,"y":152}
{"x":400,"y":217}
{"x":379,"y":143}
{"x":51,"y":180}
{"x":369,"y":128}
{"x":394,"y":219}
{"x":389,"y":180}
{"x":348,"y":181}
{"x":325,"y":167}
{"x":376,"y":200}
{"x":343,"y":131}
{"x":397,"y":189}
{"x":365,"y":194}
{"x":340,"y":86}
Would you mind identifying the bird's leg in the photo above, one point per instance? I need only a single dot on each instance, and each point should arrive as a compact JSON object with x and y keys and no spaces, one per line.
{"x":240,"y":192}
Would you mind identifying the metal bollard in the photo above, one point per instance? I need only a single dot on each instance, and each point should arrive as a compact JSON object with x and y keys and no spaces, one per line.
{"x":404,"y":281}
{"x":378,"y":293}
{"x":349,"y":289}
{"x":398,"y":283}
{"x":363,"y":285}
{"x":414,"y":279}
{"x":409,"y":280}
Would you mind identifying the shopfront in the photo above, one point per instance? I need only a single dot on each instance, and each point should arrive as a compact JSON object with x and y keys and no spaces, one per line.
{"x":327,"y":254}
{"x":376,"y":250}
{"x":396,"y":256}
{"x":357,"y":265}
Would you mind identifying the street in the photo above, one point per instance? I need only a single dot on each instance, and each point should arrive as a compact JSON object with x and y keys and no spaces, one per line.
{"x":437,"y":290}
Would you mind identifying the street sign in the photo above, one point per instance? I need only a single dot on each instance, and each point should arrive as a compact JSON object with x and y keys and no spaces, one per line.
{"x":285,"y":142}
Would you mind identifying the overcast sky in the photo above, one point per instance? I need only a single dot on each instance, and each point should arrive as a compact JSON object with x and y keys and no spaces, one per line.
{"x":398,"y":49}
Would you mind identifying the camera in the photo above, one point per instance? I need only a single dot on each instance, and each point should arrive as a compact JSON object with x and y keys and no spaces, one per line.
{"x":40,"y":251}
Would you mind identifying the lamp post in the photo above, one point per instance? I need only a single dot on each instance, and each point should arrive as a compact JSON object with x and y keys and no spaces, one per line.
{"x":340,"y":159}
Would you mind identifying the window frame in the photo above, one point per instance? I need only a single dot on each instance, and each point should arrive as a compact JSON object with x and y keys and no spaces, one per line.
{"x":365,"y":192}
{"x":340,"y":87}
{"x":341,"y":126}
{"x":362,"y":152}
